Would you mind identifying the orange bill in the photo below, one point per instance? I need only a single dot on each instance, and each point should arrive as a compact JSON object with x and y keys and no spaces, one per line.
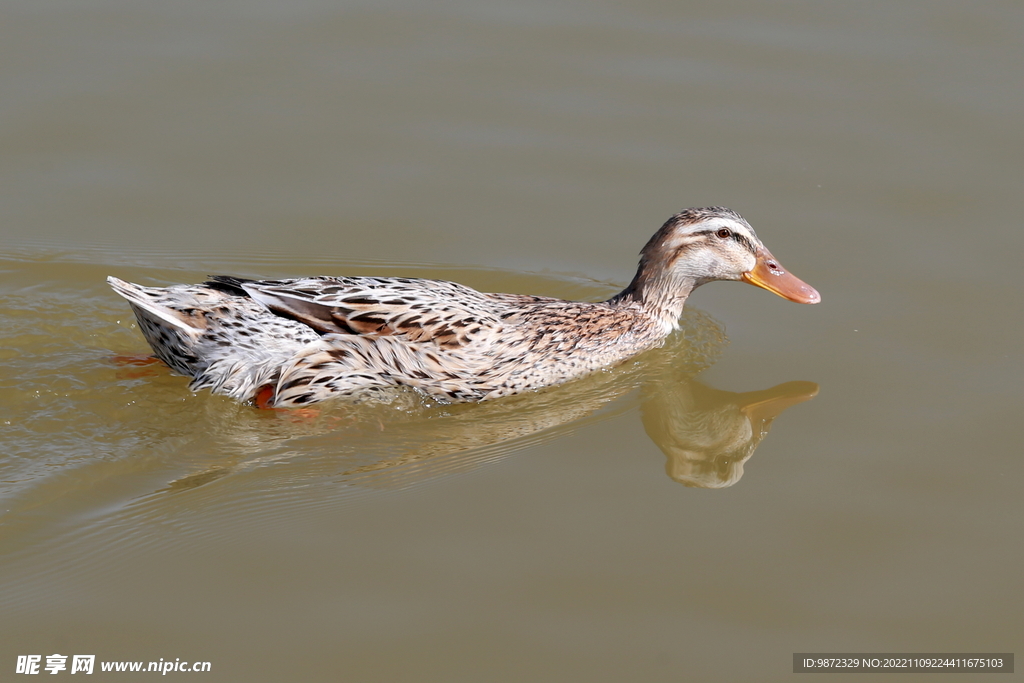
{"x":767,"y":273}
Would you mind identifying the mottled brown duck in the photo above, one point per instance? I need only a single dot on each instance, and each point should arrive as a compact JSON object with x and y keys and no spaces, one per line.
{"x":294,"y":342}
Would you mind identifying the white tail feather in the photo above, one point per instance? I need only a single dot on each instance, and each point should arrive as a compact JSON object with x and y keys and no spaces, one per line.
{"x":138,"y":296}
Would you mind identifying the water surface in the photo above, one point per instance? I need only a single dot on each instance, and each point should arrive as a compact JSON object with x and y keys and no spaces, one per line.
{"x":641,"y":524}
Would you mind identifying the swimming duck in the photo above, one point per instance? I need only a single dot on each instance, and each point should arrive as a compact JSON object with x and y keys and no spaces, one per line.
{"x":285,"y":343}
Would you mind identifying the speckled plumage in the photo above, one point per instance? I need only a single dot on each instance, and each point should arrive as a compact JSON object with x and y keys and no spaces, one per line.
{"x":313,"y":338}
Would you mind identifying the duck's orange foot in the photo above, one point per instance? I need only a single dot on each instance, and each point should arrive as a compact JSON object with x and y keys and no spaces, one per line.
{"x":264,"y":400}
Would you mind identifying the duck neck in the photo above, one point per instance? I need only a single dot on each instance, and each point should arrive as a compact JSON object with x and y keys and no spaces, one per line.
{"x":660,"y":292}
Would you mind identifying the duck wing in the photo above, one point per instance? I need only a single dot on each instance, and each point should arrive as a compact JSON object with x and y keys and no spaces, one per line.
{"x":446,"y":313}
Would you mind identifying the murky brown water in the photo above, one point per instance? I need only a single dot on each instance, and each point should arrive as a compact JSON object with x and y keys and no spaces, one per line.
{"x":641,"y":524}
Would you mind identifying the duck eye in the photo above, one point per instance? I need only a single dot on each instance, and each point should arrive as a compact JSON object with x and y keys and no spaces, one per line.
{"x":724,"y":233}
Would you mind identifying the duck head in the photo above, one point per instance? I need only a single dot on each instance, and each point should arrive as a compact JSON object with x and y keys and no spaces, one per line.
{"x":700,"y":245}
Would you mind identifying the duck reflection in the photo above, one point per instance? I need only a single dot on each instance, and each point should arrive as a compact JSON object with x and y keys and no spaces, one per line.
{"x":708,"y":434}
{"x":401,"y":439}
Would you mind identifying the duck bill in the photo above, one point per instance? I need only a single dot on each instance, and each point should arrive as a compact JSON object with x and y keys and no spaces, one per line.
{"x":768,"y":274}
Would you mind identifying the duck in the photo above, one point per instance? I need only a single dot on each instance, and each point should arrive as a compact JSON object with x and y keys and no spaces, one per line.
{"x":293,"y":342}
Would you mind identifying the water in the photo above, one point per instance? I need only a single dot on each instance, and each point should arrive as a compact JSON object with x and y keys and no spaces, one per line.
{"x":640,"y":524}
